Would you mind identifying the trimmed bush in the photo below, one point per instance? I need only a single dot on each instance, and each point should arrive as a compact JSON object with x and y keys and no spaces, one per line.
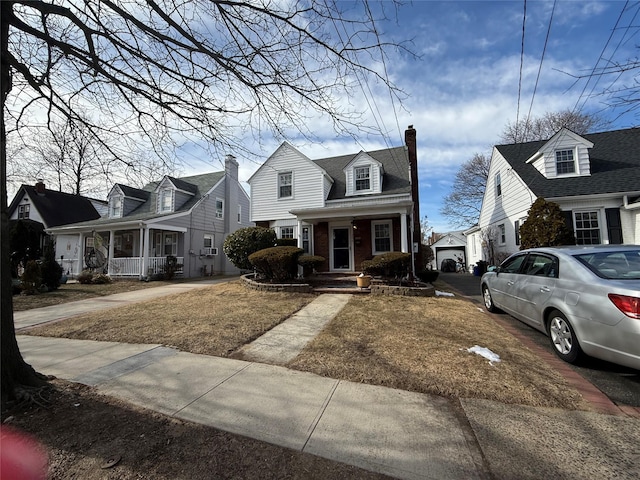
{"x":428,"y":276}
{"x":276,"y":263}
{"x":100,"y":279}
{"x":389,"y":265}
{"x":310,"y":263}
{"x":171,"y":267}
{"x":50,"y":269}
{"x":245,"y":241}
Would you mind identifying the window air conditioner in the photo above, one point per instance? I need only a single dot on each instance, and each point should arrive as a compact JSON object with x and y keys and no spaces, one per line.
{"x":210,"y":251}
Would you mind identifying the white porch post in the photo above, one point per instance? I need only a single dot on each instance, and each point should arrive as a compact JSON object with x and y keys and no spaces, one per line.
{"x":299,"y":233}
{"x":80,"y":259}
{"x":111,"y":249}
{"x":403,"y":233}
{"x":144,"y":250}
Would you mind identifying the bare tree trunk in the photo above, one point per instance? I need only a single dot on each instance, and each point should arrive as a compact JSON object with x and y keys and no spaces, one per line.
{"x":15,"y":372}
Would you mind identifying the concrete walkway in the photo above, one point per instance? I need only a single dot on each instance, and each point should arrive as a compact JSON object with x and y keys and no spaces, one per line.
{"x":402,"y":434}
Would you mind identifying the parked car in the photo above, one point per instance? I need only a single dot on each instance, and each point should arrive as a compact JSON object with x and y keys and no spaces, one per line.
{"x":585,"y":298}
{"x":448,"y":265}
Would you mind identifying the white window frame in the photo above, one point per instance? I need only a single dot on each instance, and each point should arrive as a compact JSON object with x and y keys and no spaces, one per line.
{"x":502,"y":234}
{"x":375,"y":223}
{"x":287,"y":232}
{"x":307,"y":239}
{"x":165,"y":203}
{"x":357,"y":171}
{"x":23,"y":211}
{"x":498,"y":182}
{"x":173,"y":243}
{"x":578,"y":229}
{"x":239,"y":213}
{"x":219,"y":208}
{"x":566,"y":161}
{"x":283,"y":183}
{"x":115,"y":206}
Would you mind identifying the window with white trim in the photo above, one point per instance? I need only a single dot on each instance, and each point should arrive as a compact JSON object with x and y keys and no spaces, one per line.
{"x":498,"y":185}
{"x":306,"y":240}
{"x":219,"y":208}
{"x":166,"y":200}
{"x":362,"y":176}
{"x":502,"y":235}
{"x":285,"y":185}
{"x":382,"y":240}
{"x":115,"y":206}
{"x":286,"y":232}
{"x":23,"y":211}
{"x":587,"y":228}
{"x":564,"y":162}
{"x":166,"y":244}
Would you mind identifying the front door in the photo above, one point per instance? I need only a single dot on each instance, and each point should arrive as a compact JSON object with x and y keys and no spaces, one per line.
{"x":341,"y":249}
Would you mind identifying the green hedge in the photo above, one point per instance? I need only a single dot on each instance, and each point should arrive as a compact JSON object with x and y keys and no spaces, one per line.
{"x":276,"y":263}
{"x":389,"y":265}
{"x":245,"y":241}
{"x":310,"y":263}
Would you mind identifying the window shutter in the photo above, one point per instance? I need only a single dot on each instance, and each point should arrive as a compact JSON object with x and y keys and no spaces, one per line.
{"x":614,"y":226}
{"x":568,"y":219}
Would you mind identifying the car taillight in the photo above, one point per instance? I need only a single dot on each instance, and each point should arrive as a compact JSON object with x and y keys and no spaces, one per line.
{"x":630,"y":306}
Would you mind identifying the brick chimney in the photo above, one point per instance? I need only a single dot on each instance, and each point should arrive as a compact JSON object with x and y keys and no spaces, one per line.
{"x":40,"y":187}
{"x":410,"y":141}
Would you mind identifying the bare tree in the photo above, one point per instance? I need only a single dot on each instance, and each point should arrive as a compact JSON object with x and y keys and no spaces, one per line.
{"x":546,"y":126}
{"x":462,"y":204}
{"x":163,"y":69}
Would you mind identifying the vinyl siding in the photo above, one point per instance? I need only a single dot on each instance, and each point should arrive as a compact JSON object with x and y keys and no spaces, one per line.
{"x":308,"y":186}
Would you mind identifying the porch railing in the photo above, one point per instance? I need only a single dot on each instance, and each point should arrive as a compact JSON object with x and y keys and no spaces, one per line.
{"x":131,"y":266}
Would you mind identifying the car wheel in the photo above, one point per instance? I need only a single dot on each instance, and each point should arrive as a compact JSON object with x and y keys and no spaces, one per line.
{"x":488,"y":301}
{"x":563,"y":338}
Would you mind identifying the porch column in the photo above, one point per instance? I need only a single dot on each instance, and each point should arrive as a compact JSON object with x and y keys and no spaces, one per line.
{"x":145,"y":251}
{"x":403,"y":233}
{"x":141,"y":244}
{"x":111,"y":249}
{"x":80,"y":258}
{"x":299,"y":233}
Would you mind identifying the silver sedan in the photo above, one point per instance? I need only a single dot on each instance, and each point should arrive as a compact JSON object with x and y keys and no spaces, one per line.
{"x":585,"y":298}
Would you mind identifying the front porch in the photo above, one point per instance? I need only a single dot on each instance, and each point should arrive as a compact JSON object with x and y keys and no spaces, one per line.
{"x":134,"y":266}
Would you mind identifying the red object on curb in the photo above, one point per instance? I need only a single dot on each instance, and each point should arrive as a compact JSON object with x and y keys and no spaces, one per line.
{"x":21,"y":456}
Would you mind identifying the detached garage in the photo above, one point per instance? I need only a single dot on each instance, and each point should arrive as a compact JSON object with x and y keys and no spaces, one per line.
{"x":451,"y":246}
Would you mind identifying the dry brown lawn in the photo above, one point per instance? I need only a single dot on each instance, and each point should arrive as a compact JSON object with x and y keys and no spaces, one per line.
{"x":417,"y":344}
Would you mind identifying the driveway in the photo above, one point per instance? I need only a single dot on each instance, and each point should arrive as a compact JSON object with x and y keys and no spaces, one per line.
{"x":620,"y":384}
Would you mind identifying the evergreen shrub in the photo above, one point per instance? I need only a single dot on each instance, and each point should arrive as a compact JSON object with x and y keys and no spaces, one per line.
{"x":245,"y":241}
{"x":276,"y":263}
{"x":310,"y":263}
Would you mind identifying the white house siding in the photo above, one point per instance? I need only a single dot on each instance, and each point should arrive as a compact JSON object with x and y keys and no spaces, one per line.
{"x":512,"y":205}
{"x":308,"y":191}
{"x":593,"y":204}
{"x":565,"y":142}
{"x":33,"y":212}
{"x":68,"y":249}
{"x":630,"y":220}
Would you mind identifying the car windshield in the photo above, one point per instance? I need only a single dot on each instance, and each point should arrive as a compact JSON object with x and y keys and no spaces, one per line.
{"x":613,"y":264}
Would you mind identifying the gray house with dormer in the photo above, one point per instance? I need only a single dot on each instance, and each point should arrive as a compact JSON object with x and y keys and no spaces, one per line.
{"x":187,"y":218}
{"x":594,"y":178}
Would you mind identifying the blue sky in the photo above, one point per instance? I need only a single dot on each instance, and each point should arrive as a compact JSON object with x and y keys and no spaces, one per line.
{"x":464,"y":88}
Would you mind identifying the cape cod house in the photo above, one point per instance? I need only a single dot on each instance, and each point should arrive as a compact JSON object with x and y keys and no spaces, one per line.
{"x":187,"y":218}
{"x":594,"y":178}
{"x":39,"y":209}
{"x":347,"y":208}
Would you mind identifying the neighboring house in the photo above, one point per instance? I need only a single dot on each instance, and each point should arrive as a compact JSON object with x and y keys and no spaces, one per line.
{"x":449,"y":246}
{"x":41,"y":209}
{"x":594,"y":178}
{"x":347,"y":208}
{"x":188,"y":218}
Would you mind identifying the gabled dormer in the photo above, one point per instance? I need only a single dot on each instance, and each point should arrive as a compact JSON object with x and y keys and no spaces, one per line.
{"x":172,"y":193}
{"x":566,"y":154}
{"x":123,"y":200}
{"x":363,"y":176}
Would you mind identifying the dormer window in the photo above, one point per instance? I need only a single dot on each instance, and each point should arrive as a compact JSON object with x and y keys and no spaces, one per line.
{"x":115,"y":206}
{"x":166,"y":200}
{"x":23,"y":211}
{"x":565,"y":163}
{"x":362,"y":177}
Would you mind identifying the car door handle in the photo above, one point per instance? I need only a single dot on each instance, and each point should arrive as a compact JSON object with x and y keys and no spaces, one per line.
{"x":545,"y":289}
{"x":510,"y":282}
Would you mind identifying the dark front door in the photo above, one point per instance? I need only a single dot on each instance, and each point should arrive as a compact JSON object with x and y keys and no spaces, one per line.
{"x":341,"y":249}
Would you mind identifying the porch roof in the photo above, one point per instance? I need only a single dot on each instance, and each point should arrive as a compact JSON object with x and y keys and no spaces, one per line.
{"x":356,"y":208}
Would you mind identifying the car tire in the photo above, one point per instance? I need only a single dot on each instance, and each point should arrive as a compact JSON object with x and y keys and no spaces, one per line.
{"x":563,"y":338}
{"x":488,"y":300}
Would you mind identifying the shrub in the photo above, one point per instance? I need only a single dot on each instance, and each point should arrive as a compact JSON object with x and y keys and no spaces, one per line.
{"x":85,"y":277}
{"x":100,"y":279}
{"x":390,"y":265}
{"x":545,"y":226}
{"x":245,"y":241}
{"x":276,"y":263}
{"x":428,"y":276}
{"x":50,"y":269}
{"x":310,"y":263}
{"x":171,"y":267}
{"x":31,"y":278}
